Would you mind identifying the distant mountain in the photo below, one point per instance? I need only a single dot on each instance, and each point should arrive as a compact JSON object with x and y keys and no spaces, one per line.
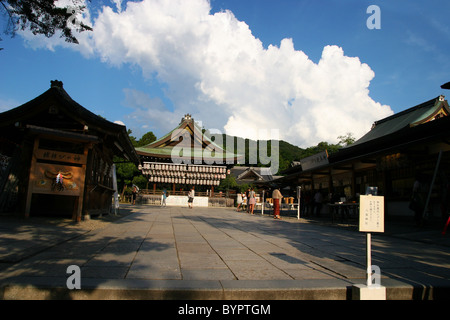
{"x":287,"y":152}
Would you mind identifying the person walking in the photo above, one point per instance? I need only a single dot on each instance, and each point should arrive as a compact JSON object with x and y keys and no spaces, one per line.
{"x":276,"y":196}
{"x":244,"y":201}
{"x":164,"y":197}
{"x":247,"y":196}
{"x":318,"y":199}
{"x":134,"y":193}
{"x":251,"y":200}
{"x":239,"y":201}
{"x":191,"y":196}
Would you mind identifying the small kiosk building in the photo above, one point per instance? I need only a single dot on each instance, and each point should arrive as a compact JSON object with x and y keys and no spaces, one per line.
{"x":57,"y":157}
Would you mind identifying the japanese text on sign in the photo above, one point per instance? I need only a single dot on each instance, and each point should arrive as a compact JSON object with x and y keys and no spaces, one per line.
{"x":60,"y":156}
{"x":371,"y":214}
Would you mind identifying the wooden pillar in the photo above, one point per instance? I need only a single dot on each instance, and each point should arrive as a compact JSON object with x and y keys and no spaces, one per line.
{"x":353,"y":181}
{"x":330,"y":182}
{"x":383,"y":187}
{"x":31,"y":178}
{"x":79,"y":204}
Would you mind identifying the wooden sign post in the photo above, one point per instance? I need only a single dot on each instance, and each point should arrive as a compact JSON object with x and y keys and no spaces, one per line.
{"x":371,"y":219}
{"x":57,"y":173}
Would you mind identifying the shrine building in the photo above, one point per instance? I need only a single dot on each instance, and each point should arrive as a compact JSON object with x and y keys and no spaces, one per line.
{"x":398,"y":150}
{"x":56,"y":157}
{"x":186,"y":157}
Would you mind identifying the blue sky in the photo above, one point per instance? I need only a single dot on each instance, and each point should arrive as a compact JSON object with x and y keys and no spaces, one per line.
{"x":310,"y":69}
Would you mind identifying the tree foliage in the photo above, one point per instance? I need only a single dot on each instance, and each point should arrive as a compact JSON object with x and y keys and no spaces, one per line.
{"x":147,"y":138}
{"x":44,"y":17}
{"x":347,"y":139}
{"x":286,"y":151}
{"x":127,"y":172}
{"x":228,"y":183}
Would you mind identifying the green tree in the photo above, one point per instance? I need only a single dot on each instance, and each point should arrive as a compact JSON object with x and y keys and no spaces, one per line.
{"x":127,"y":172}
{"x":43,"y":17}
{"x":228,"y":183}
{"x":132,"y":138}
{"x":347,"y":139}
{"x":140,"y":181}
{"x":146,"y":139}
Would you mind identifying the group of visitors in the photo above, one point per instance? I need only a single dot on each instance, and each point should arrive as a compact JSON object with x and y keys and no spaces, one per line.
{"x":249,"y":198}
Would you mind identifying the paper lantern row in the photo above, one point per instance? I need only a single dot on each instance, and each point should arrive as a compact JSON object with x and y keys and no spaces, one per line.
{"x":183,"y":175}
{"x":183,"y":167}
{"x":184,"y":181}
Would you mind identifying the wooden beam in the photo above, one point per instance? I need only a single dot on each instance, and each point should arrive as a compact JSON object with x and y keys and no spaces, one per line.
{"x":79,"y":206}
{"x":31,"y":178}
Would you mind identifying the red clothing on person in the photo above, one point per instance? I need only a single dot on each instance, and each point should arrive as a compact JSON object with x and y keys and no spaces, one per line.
{"x":276,"y":207}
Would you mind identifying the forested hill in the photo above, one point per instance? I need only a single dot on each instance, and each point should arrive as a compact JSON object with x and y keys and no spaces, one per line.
{"x":128,"y":173}
{"x":287,"y":152}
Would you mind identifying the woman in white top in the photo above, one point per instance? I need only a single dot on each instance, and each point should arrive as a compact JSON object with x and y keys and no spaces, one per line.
{"x":239,"y":201}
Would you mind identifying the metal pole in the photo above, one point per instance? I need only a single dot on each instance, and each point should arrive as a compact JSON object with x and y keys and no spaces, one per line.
{"x":262,"y":204}
{"x":369,"y":258}
{"x":299,"y":192}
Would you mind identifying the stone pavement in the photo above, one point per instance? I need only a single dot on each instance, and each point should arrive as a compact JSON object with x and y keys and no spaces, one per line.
{"x":217,"y":253}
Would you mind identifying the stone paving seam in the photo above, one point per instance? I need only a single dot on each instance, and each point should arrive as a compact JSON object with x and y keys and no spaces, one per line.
{"x":248,"y":248}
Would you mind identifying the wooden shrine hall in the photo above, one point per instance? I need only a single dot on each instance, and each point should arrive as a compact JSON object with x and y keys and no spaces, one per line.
{"x":57,"y":157}
{"x":400,"y":149}
{"x":185,"y":157}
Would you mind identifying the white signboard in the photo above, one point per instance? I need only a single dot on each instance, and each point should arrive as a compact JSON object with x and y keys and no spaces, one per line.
{"x":315,"y":161}
{"x":183,"y":201}
{"x":371,"y":214}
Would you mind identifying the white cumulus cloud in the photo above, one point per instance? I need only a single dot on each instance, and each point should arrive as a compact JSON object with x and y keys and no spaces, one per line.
{"x":215,"y":69}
